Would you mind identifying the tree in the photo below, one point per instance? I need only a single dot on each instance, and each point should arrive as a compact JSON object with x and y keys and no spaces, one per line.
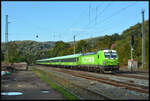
{"x":2,"y":56}
{"x":13,"y":53}
{"x":105,"y":43}
{"x":115,"y":37}
{"x":60,"y":48}
{"x":82,"y":46}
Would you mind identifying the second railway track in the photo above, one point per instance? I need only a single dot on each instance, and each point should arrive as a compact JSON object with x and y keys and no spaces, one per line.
{"x":138,"y":88}
{"x":130,"y":86}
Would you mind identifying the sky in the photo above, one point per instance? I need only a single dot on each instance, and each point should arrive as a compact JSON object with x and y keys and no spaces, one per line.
{"x":61,"y":20}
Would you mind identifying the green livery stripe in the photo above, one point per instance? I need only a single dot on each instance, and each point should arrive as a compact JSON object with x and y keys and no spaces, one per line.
{"x":99,"y":58}
{"x":60,"y":63}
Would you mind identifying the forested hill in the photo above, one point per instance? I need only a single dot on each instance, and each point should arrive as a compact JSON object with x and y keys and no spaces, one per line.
{"x":123,"y":46}
{"x":24,"y":50}
{"x":29,"y":44}
{"x":31,"y":50}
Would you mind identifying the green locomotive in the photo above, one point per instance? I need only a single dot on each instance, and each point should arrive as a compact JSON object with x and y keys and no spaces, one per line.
{"x":103,"y":60}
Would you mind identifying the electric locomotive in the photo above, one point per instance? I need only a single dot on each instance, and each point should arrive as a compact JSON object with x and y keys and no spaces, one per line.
{"x":103,"y":60}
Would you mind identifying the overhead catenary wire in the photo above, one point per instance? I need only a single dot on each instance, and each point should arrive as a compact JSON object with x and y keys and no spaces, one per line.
{"x":108,"y":5}
{"x":96,"y":15}
{"x":75,"y":21}
{"x":120,"y":24}
{"x":117,"y":12}
{"x":89,"y":16}
{"x":104,"y":9}
{"x":89,"y":13}
{"x":111,"y":27}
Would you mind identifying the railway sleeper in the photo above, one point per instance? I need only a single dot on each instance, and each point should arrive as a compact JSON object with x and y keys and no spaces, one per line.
{"x":86,"y":68}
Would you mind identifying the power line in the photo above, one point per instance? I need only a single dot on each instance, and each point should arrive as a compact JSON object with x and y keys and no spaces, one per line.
{"x":105,"y":8}
{"x":75,"y":20}
{"x":136,"y":14}
{"x":108,"y":5}
{"x":117,"y":12}
{"x":74,"y":45}
{"x":106,"y":29}
{"x":89,"y":13}
{"x":114,"y":14}
{"x":96,"y":15}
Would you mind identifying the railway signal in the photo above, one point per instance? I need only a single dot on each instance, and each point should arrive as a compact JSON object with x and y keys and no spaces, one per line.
{"x":143,"y":41}
{"x":132,"y":43}
{"x":74,"y":45}
{"x":6,"y":40}
{"x":132,"y":40}
{"x":37,"y":36}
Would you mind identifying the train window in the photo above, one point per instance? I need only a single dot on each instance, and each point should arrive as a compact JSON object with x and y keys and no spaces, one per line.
{"x":69,"y":60}
{"x":114,"y":56}
{"x":54,"y":60}
{"x":107,"y":54}
{"x":110,"y":55}
{"x":64,"y":60}
{"x":98,"y":56}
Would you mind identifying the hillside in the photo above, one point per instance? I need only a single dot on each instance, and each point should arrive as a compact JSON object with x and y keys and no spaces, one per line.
{"x":38,"y":50}
{"x":31,"y":45}
{"x":27,"y":48}
{"x":123,"y":45}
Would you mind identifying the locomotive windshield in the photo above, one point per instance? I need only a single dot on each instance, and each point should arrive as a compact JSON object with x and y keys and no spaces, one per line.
{"x":110,"y":55}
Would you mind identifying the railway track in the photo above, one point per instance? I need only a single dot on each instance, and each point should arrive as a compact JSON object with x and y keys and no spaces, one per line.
{"x":121,"y":75}
{"x":130,"y":76}
{"x":94,"y":94}
{"x":130,"y":86}
{"x":124,"y":75}
{"x":102,"y":96}
{"x":138,"y":88}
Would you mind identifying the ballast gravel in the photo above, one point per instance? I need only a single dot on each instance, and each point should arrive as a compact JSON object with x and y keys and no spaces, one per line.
{"x":102,"y":88}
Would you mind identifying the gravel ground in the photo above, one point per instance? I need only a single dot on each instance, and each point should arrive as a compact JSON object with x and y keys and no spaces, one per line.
{"x":122,"y":79}
{"x":29,"y":84}
{"x":142,"y":75}
{"x":114,"y":92}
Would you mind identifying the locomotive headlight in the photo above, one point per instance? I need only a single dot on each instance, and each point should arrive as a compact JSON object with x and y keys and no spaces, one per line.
{"x":103,"y":62}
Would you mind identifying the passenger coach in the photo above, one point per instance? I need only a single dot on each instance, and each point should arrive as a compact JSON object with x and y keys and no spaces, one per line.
{"x":103,"y":60}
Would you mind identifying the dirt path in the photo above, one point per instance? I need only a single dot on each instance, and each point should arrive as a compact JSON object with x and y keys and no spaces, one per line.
{"x":29,"y":84}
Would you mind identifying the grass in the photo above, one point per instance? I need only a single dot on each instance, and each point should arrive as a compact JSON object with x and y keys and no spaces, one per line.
{"x":46,"y":77}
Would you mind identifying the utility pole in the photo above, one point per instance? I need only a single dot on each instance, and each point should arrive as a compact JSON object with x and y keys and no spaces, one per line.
{"x":6,"y":40}
{"x":96,"y":15}
{"x":74,"y":45}
{"x":131,"y":53}
{"x":143,"y":41}
{"x":93,"y":43}
{"x":89,"y":13}
{"x":132,"y":43}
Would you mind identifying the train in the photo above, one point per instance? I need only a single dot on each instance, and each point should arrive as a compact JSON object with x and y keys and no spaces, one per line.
{"x":102,"y":60}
